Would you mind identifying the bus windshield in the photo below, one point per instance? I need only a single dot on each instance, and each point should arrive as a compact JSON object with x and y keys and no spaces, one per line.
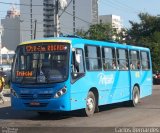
{"x":41,"y":63}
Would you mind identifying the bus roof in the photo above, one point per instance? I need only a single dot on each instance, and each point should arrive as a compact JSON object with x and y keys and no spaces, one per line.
{"x":47,"y":40}
{"x":79,"y":41}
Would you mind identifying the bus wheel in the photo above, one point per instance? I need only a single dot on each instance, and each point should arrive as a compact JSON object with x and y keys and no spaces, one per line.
{"x":135,"y":96}
{"x":90,"y":104}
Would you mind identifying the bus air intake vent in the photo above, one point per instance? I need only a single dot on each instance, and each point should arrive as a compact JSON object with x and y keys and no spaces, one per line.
{"x":38,"y":96}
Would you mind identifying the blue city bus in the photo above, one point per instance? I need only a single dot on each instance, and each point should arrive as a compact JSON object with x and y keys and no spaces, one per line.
{"x":65,"y":74}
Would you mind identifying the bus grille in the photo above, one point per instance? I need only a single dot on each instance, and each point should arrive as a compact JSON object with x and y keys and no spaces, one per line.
{"x":38,"y":96}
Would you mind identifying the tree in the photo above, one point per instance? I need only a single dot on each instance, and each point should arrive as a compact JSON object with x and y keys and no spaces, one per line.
{"x":146,"y":33}
{"x":101,"y":32}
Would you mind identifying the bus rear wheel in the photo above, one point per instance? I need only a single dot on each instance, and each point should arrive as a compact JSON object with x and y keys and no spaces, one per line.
{"x":135,"y":96}
{"x":90,"y":104}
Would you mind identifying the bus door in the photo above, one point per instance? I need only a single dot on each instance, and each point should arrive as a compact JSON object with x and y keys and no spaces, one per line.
{"x":77,"y":80}
{"x":135,"y":68}
{"x":122,"y":77}
{"x":146,"y":74}
{"x":115,"y":63}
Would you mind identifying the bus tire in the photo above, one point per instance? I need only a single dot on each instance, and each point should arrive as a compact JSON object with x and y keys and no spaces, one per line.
{"x":90,"y":104}
{"x":135,"y":96}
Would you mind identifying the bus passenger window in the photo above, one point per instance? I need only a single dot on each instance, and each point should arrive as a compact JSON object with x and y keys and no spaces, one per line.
{"x":93,"y":58}
{"x":122,"y":59}
{"x":134,"y":60}
{"x":108,"y":55}
{"x":145,"y":60}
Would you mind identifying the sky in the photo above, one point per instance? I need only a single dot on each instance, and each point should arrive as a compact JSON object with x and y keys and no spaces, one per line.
{"x":129,"y":9}
{"x":126,"y":9}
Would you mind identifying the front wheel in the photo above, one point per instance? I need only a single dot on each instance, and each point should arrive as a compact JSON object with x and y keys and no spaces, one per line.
{"x":135,"y":96}
{"x":90,"y":104}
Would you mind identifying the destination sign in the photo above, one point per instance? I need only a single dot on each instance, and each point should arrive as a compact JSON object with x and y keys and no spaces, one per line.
{"x":45,"y":48}
{"x":24,"y":73}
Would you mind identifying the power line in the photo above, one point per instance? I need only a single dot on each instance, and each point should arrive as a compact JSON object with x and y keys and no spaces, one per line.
{"x":78,"y":18}
{"x":123,"y":6}
{"x":112,"y":6}
{"x":22,"y":13}
{"x":118,"y":7}
{"x":25,"y":21}
{"x":41,"y":22}
{"x":129,"y":7}
{"x":69,"y":27}
{"x":41,"y":14}
{"x":6,"y":3}
{"x":18,"y":29}
{"x":65,"y":8}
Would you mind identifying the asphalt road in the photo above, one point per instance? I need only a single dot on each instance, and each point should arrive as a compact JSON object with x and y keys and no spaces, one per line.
{"x":146,"y":114}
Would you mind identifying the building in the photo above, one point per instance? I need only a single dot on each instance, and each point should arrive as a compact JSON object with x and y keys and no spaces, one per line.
{"x":6,"y":55}
{"x":80,"y":14}
{"x":114,"y":20}
{"x":11,"y":29}
{"x":1,"y":31}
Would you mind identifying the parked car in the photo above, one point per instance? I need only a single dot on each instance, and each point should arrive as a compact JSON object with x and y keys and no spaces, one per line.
{"x":156,"y":78}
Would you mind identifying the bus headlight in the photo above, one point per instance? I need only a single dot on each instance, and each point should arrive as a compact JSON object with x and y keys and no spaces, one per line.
{"x":14,"y":93}
{"x":61,"y":92}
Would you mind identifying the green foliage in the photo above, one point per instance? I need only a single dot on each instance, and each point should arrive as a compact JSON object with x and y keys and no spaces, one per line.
{"x":98,"y":32}
{"x":154,"y":47}
{"x":146,"y":33}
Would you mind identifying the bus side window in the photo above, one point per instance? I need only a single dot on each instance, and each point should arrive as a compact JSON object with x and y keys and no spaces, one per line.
{"x":134,"y":60}
{"x":108,"y":55}
{"x":77,"y":61}
{"x":145,"y":60}
{"x":122,"y":59}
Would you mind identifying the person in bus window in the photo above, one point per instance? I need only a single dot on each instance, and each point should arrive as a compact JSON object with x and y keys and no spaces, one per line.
{"x":138,"y":65}
{"x":125,"y":66}
{"x":132,"y":67}
{"x":113,"y":65}
{"x":105,"y":66}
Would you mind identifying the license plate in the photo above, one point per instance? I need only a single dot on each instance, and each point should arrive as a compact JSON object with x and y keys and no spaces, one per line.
{"x":34,"y":103}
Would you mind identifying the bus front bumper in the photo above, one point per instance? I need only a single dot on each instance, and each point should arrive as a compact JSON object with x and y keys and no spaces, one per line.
{"x":54,"y":104}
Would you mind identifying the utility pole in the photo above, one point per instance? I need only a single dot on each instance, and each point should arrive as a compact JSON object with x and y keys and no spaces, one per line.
{"x":21,"y":36}
{"x":62,"y":4}
{"x":56,"y":16}
{"x":1,"y":31}
{"x":35,"y":28}
{"x":74,"y":19}
{"x":31,"y":17}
